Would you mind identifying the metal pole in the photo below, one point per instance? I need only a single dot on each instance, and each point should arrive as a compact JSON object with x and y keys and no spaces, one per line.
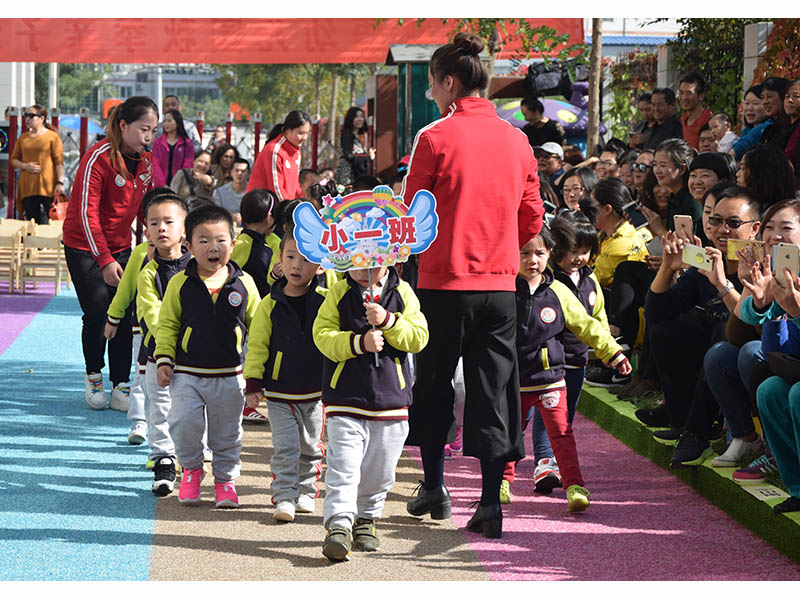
{"x":54,"y":115}
{"x":257,"y":132}
{"x":200,"y":119}
{"x":228,"y":126}
{"x":13,"y":113}
{"x":160,"y":87}
{"x":84,"y":142}
{"x":52,"y":89}
{"x":371,"y":141}
{"x":315,"y":119}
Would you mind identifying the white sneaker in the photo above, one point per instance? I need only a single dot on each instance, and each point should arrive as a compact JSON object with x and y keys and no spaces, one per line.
{"x":120,"y":397}
{"x":95,"y":394}
{"x":208,"y":455}
{"x":306,"y":504}
{"x":736,"y":452}
{"x":138,"y":433}
{"x":284,"y":511}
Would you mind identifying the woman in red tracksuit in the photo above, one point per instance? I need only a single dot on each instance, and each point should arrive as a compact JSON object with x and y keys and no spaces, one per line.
{"x":112,"y":177}
{"x":277,"y":167}
{"x":483,"y":174}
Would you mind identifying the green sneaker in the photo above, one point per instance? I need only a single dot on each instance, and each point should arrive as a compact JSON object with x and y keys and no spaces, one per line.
{"x":577,"y":498}
{"x":336,"y":546}
{"x":505,"y":492}
{"x":365,"y":536}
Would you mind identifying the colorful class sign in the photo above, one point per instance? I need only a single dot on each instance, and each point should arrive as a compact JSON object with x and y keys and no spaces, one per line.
{"x":365,"y":229}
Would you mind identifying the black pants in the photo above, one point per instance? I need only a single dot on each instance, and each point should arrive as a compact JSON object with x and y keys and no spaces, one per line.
{"x":679,"y":347}
{"x":37,"y":208}
{"x":480,"y":327}
{"x":632,"y":279}
{"x":95,"y":297}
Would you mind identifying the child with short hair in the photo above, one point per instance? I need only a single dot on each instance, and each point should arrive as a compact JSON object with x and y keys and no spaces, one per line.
{"x":257,"y":251}
{"x":206,"y":312}
{"x":164,"y":226}
{"x":545,"y":309}
{"x":283,"y":361}
{"x":366,"y":406}
{"x":721,"y":127}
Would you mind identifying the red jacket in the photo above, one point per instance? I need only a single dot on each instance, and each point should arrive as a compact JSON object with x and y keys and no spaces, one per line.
{"x":277,"y":169}
{"x":483,"y":174}
{"x":182,"y":158}
{"x":101,"y":211}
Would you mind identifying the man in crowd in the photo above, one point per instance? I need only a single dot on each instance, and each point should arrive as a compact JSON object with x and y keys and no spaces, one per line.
{"x":551,"y":158}
{"x":641,"y":128}
{"x":667,"y":124}
{"x":229,"y":196}
{"x":691,"y":93}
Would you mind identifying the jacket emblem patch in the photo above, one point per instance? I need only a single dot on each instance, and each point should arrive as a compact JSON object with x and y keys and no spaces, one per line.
{"x":119,"y":180}
{"x":592,"y":298}
{"x":235,"y":299}
{"x":547,"y":315}
{"x":551,"y":399}
{"x":288,"y":164}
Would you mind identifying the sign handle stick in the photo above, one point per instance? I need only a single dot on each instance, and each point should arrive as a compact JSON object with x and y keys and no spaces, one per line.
{"x":372,"y":299}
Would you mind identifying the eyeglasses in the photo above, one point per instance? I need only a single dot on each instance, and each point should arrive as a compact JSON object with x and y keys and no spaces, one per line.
{"x":731,"y":223}
{"x":575,"y":189}
{"x":640,"y":167}
{"x":31,"y":115}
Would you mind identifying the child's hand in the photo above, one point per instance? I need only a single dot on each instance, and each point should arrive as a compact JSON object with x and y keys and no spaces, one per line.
{"x":376,"y":314}
{"x":624,"y":368}
{"x":277,"y":271}
{"x":164,"y":375}
{"x":110,"y":331}
{"x":253,"y":398}
{"x":373,"y":340}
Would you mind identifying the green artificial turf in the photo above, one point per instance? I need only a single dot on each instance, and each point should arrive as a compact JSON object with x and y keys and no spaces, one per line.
{"x":716,"y":484}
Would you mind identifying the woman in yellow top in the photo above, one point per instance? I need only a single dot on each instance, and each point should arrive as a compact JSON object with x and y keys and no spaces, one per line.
{"x":619,"y":240}
{"x":39,"y":157}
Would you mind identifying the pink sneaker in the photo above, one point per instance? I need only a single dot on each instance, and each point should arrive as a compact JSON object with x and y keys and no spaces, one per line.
{"x":226,"y":495}
{"x":190,"y":485}
{"x":457,"y":446}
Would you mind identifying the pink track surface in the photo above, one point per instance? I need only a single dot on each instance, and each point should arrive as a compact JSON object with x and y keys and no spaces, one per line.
{"x":17,"y":310}
{"x":643,"y":524}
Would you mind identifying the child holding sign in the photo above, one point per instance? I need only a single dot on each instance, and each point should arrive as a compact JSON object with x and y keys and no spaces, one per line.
{"x":366,"y":406}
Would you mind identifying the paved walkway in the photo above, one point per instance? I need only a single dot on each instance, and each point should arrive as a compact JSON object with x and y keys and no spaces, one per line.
{"x":73,"y":491}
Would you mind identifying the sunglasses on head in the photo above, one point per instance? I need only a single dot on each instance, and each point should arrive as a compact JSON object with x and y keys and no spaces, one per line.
{"x":640,"y":167}
{"x":731,"y":223}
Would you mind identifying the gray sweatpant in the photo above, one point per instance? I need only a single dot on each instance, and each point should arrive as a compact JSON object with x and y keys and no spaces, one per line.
{"x":297,"y":443}
{"x":362,"y":460}
{"x":158,"y":408}
{"x":222,"y":399}
{"x":136,"y":408}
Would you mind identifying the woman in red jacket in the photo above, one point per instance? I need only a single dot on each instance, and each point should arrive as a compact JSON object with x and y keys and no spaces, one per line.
{"x":483,"y":174}
{"x":112,"y":177}
{"x":277,"y":167}
{"x":173,"y":150}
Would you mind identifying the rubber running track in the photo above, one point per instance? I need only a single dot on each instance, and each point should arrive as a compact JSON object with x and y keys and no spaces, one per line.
{"x":74,"y":492}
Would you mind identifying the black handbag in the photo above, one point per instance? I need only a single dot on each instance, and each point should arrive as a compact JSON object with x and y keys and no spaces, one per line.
{"x":784,"y":365}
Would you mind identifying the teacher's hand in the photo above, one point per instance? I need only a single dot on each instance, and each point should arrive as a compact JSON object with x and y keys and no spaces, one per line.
{"x":33,"y":167}
{"x":112,"y":273}
{"x":59,"y":189}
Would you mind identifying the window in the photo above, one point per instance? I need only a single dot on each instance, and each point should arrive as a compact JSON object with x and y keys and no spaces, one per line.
{"x":141,"y":77}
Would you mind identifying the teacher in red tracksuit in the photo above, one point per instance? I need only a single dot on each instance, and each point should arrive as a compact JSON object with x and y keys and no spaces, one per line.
{"x":111,"y":180}
{"x":277,"y":167}
{"x":483,"y":174}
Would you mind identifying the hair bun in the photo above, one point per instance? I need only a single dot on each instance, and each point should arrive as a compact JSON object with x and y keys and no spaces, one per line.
{"x":468,"y":43}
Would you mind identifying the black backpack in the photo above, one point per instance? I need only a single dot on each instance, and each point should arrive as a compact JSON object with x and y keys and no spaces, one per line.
{"x":552,"y":78}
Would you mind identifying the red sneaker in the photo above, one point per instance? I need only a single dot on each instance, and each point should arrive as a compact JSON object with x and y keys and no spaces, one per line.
{"x":190,"y":485}
{"x":226,"y":495}
{"x":251,"y":415}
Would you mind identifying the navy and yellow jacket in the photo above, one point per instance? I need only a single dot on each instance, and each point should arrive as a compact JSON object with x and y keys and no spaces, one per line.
{"x":125,"y":295}
{"x":541,"y":317}
{"x":257,"y":254}
{"x":281,"y":356}
{"x":352,"y":385}
{"x":199,"y":336}
{"x":589,"y":292}
{"x":150,"y":286}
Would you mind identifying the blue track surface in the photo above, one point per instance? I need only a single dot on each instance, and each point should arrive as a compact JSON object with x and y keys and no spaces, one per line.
{"x":75,"y":499}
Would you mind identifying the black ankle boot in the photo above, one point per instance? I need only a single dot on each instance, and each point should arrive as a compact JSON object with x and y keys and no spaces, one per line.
{"x":487,"y":520}
{"x":435,"y":501}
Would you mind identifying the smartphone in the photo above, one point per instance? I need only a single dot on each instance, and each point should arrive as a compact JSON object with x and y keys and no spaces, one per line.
{"x":695,"y":256}
{"x":757,"y":247}
{"x":635,"y":216}
{"x":655,"y":247}
{"x":548,"y":218}
{"x":549,"y":207}
{"x":785,"y":256}
{"x":684,"y":227}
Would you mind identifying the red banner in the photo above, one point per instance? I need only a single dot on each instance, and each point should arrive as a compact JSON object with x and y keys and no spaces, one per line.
{"x":229,"y":41}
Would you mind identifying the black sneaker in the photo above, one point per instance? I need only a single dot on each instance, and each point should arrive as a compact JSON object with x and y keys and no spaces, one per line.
{"x":791,"y":504}
{"x":668,"y":434}
{"x":336,"y":546}
{"x":164,"y":476}
{"x":653,"y":417}
{"x":691,"y":451}
{"x":365,"y":536}
{"x":606,"y":378}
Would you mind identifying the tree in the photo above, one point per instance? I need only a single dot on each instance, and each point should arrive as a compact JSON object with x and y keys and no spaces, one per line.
{"x":595,"y":75}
